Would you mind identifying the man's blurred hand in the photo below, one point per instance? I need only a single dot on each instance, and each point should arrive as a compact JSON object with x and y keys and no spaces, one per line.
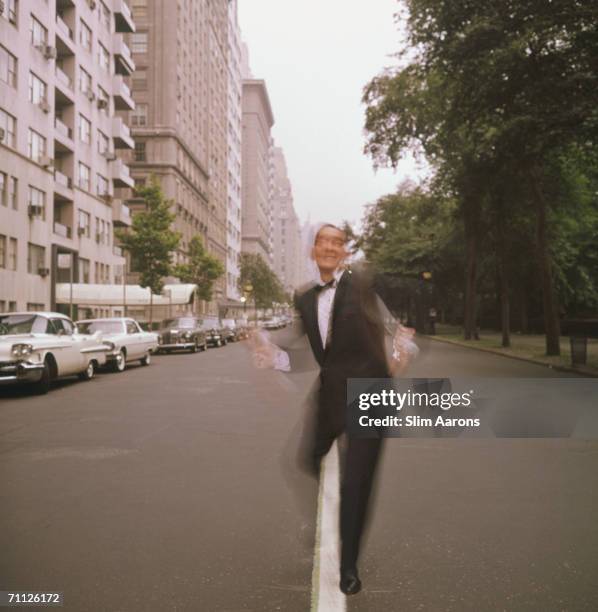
{"x":404,"y":349}
{"x":263,"y":352}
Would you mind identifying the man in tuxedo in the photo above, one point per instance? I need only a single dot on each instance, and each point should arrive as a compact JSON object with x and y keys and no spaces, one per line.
{"x":340,"y":316}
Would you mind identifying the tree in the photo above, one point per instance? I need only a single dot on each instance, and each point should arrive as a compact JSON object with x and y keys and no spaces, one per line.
{"x":201,"y":270}
{"x":150,"y":240}
{"x":265,"y":286}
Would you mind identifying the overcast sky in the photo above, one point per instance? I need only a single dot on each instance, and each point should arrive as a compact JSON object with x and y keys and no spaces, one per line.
{"x":316,"y":56}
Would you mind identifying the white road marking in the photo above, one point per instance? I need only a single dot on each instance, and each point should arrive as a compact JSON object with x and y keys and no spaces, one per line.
{"x":326,"y":595}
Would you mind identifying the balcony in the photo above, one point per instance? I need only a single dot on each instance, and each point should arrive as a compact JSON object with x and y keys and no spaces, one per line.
{"x":63,"y":186}
{"x":65,"y":41}
{"x":123,"y":61}
{"x":119,"y":173}
{"x":123,"y":20}
{"x":121,"y":134}
{"x":122,"y":94}
{"x":121,"y":215}
{"x":63,"y":87}
{"x":62,"y":230}
{"x":63,"y":137}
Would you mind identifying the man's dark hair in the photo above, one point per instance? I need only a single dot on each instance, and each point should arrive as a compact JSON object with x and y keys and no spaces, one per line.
{"x":340,"y":229}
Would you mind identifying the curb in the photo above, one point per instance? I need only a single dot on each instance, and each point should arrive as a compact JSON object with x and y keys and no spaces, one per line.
{"x":591,"y":373}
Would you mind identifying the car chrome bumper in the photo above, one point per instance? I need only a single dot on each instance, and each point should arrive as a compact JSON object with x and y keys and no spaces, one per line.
{"x":176,"y":345}
{"x":21,"y":372}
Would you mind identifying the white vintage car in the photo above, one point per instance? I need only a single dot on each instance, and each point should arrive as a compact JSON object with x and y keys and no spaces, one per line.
{"x":37,"y":347}
{"x":130,"y":342}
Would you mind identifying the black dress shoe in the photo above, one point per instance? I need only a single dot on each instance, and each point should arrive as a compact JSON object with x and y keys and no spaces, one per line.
{"x":350,"y":583}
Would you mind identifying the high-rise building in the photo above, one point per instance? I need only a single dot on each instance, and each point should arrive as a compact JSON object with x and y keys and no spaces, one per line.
{"x":288,"y":256}
{"x":234,"y":110}
{"x":180,"y":124}
{"x":63,"y":71}
{"x":256,"y":169}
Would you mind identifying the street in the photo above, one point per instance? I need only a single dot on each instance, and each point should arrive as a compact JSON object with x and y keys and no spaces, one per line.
{"x":161,"y":489}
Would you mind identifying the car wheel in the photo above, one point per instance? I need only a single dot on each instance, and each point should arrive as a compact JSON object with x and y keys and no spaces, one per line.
{"x":42,"y":386}
{"x":147,"y":360}
{"x":119,"y":363}
{"x":193,"y":349}
{"x":89,"y":371}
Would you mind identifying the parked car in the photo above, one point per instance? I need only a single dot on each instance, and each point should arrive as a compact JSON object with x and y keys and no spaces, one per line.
{"x":131,"y":343}
{"x":38,"y":347}
{"x":182,"y":333}
{"x":230,"y":330}
{"x":214,"y":331}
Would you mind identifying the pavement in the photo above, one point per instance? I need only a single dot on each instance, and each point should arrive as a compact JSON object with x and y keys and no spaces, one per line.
{"x":161,"y":489}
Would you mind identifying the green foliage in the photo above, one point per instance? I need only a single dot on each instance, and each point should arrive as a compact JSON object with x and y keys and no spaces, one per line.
{"x":150,"y":241}
{"x":202,"y":269}
{"x":265,"y":286}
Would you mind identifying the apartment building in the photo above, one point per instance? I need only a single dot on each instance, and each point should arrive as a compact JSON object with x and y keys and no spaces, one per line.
{"x":233,"y":224}
{"x":181,"y":120}
{"x":63,"y":106}
{"x":256,"y":169}
{"x":288,"y":256}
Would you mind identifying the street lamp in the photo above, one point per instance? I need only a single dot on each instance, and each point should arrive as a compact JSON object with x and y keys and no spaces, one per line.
{"x":247,"y":291}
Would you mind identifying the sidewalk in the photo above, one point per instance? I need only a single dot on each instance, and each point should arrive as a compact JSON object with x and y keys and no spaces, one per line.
{"x":526,"y":347}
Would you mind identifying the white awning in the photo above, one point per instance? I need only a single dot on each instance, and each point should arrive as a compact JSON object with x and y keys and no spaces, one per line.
{"x":115,"y":295}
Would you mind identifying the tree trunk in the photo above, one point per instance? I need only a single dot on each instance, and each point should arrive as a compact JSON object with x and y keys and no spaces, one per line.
{"x":503,"y":278}
{"x":151,"y":317}
{"x":471,"y":223}
{"x":551,"y":319}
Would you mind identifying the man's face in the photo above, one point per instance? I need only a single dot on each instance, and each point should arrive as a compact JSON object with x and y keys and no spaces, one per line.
{"x":329,"y":249}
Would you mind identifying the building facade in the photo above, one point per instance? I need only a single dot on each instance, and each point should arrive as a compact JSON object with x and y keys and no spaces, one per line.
{"x":256,"y":169}
{"x":180,"y":124}
{"x":288,"y":256}
{"x":63,"y":71}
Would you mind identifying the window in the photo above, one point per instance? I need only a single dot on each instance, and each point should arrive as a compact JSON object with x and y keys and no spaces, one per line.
{"x":140,"y":79}
{"x":36,"y":258}
{"x":84,"y":130}
{"x":84,"y":80}
{"x":103,"y":142}
{"x":2,"y":251}
{"x":37,"y":202}
{"x":8,"y":67}
{"x":139,"y":42}
{"x":3,"y":189}
{"x":12,"y":192}
{"x":102,"y":185}
{"x":10,"y":10}
{"x":84,"y":35}
{"x":83,"y":270}
{"x":103,"y":57}
{"x":12,"y":254}
{"x":83,"y":176}
{"x":8,"y":124}
{"x":104,"y":14}
{"x":103,"y":95}
{"x":140,"y":151}
{"x":139,"y":115}
{"x":84,"y":223}
{"x":36,"y":145}
{"x":38,"y":34}
{"x":37,"y":89}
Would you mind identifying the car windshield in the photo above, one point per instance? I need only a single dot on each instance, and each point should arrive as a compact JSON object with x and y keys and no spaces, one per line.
{"x":186,"y":323}
{"x":228,"y":322}
{"x":210,"y":324}
{"x":106,"y":327}
{"x":21,"y":324}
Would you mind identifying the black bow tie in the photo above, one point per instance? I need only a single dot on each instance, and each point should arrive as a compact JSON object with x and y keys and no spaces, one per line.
{"x":329,"y":285}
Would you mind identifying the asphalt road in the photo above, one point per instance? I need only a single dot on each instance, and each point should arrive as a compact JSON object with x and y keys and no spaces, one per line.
{"x":161,"y":489}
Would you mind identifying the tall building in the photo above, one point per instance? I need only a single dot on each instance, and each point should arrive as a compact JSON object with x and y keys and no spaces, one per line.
{"x":180,"y":124}
{"x":63,"y":71}
{"x":234,"y":110}
{"x":256,"y":169}
{"x":288,"y":256}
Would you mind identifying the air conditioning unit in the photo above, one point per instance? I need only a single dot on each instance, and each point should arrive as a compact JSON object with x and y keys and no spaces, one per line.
{"x":1,"y":6}
{"x":110,"y":155}
{"x":90,"y":95}
{"x":102,"y":103}
{"x":2,"y":134}
{"x":98,"y":237}
{"x":49,"y":52}
{"x":34,"y":211}
{"x":92,"y":4}
{"x":43,"y":271}
{"x":80,"y":231}
{"x":45,"y":161}
{"x":44,"y":105}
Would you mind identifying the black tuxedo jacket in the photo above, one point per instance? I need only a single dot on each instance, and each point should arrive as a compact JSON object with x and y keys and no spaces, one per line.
{"x":357,"y":345}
